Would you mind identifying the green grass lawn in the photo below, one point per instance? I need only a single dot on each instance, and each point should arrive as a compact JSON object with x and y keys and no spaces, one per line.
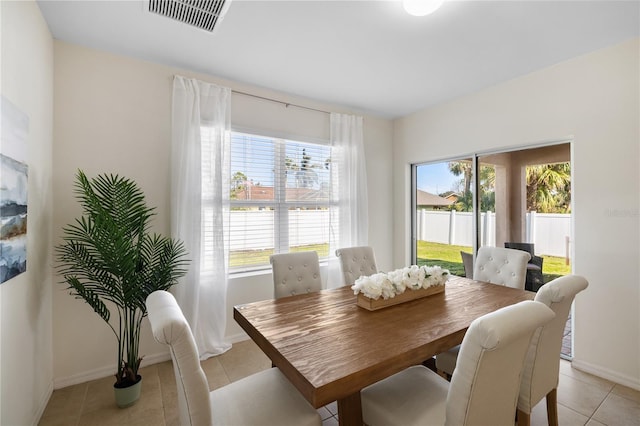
{"x":448,"y":256}
{"x":261,"y":257}
{"x":429,"y":254}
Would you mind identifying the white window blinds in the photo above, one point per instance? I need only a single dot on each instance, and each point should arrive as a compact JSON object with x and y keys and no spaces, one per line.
{"x":279,"y":191}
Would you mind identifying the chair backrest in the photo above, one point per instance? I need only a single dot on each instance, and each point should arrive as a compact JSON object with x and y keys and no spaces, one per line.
{"x":542,"y":365}
{"x":485,"y":384}
{"x":295,"y":273}
{"x":467,"y":262}
{"x":170,"y":327}
{"x":528,"y":247}
{"x":502,"y":266}
{"x":356,"y":262}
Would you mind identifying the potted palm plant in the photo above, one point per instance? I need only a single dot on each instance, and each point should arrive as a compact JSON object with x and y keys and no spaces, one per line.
{"x":109,"y":259}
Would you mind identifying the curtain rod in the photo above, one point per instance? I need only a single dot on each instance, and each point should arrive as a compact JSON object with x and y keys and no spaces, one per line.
{"x":286,"y":104}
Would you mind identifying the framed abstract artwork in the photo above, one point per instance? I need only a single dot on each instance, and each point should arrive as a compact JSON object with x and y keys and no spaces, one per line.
{"x":14,"y":128}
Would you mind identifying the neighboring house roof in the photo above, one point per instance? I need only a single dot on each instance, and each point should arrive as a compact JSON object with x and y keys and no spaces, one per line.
{"x":256,"y":192}
{"x":266,"y":193}
{"x":428,"y":199}
{"x":450,"y":195}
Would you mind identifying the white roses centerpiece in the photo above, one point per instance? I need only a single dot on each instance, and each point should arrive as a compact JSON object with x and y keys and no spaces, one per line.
{"x":388,"y":284}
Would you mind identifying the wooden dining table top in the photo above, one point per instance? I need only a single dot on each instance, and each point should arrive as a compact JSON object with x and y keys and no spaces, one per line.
{"x":330,"y":348}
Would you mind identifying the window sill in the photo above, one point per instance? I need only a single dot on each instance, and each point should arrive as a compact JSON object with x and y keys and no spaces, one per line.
{"x":250,"y":273}
{"x":264,"y":271}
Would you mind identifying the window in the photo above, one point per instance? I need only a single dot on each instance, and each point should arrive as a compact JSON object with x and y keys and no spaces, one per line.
{"x":279,"y":199}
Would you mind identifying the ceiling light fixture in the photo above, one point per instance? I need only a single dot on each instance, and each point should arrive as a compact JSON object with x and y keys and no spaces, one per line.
{"x":421,"y":7}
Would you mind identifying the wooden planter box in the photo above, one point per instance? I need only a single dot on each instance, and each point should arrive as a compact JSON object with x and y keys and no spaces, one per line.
{"x":373,"y":305}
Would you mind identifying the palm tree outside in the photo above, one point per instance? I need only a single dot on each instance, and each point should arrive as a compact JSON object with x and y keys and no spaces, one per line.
{"x":549,"y":188}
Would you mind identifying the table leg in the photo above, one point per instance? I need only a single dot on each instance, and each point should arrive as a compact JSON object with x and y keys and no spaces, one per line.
{"x":350,"y":410}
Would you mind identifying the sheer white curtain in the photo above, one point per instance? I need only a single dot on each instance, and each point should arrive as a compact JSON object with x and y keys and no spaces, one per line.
{"x":349,"y":211}
{"x":200,"y":205}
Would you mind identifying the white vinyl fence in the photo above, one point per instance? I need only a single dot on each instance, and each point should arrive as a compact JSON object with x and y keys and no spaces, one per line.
{"x":254,"y":229}
{"x":549,"y":232}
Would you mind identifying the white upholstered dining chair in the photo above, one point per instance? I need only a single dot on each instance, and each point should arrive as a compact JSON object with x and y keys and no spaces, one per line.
{"x":484,"y":388}
{"x":502,"y":266}
{"x":356,"y":262}
{"x":542,"y":364}
{"x":265,"y":398}
{"x":295,"y":273}
{"x":495,"y":265}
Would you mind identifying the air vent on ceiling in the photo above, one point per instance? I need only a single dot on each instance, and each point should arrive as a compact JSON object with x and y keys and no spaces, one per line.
{"x":204,"y":14}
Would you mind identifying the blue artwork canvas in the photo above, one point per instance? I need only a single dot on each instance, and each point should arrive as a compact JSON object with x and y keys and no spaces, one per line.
{"x":14,"y":127}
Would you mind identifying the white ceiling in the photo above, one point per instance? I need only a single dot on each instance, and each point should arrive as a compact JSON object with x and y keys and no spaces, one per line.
{"x":369,"y":56}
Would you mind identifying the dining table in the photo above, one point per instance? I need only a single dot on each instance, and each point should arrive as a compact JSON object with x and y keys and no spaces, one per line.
{"x":330,"y":348}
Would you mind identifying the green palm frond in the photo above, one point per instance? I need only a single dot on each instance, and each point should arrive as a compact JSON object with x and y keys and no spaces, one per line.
{"x":161,"y":252}
{"x":549,"y":187}
{"x":90,"y":296}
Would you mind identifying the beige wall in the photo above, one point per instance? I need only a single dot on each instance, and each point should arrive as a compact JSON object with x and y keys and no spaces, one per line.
{"x":113,"y":115}
{"x":594,"y":100}
{"x":25,"y":312}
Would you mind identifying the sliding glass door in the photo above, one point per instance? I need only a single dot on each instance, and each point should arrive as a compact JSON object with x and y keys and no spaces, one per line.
{"x":444,"y":213}
{"x":518,"y":198}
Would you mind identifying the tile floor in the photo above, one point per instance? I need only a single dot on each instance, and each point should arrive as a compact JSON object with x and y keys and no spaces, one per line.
{"x":583,"y":399}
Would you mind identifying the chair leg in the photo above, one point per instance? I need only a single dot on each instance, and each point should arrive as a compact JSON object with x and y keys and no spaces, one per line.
{"x":523,"y":418}
{"x":552,"y":407}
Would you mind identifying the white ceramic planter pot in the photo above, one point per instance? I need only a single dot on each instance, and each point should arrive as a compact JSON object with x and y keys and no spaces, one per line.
{"x":126,"y":397}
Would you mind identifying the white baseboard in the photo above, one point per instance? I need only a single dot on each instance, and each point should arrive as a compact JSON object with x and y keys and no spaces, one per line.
{"x":605,"y":373}
{"x":42,"y":405}
{"x":105,"y":371}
